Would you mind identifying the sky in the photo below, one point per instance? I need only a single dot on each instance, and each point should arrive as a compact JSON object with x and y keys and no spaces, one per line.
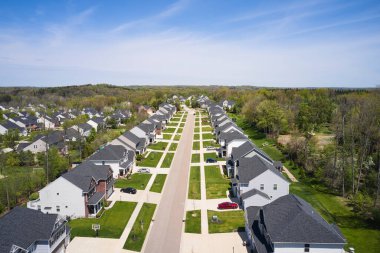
{"x":313,"y":43}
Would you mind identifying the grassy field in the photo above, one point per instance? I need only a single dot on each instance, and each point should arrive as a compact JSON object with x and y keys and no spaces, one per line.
{"x":158,"y":146}
{"x":206,"y":129}
{"x":195,"y":158}
{"x":167,"y":136}
{"x":193,"y":222}
{"x":151,"y":160}
{"x":158,"y":183}
{"x":196,"y":129}
{"x":140,"y":228}
{"x":229,"y":221}
{"x":136,"y":180}
{"x":112,"y":222}
{"x":195,"y":183}
{"x":169,"y":130}
{"x":196,"y":145}
{"x":196,"y":137}
{"x":180,"y":130}
{"x":167,"y":160}
{"x":213,"y":155}
{"x":207,"y":136}
{"x":216,"y":184}
{"x":182,"y":124}
{"x":173,"y":146}
{"x":210,"y":143}
{"x":177,"y":137}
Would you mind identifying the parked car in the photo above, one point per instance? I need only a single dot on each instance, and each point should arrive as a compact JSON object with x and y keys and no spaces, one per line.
{"x":129,"y":190}
{"x":228,"y":205}
{"x":143,"y":170}
{"x":210,"y":160}
{"x":210,"y":148}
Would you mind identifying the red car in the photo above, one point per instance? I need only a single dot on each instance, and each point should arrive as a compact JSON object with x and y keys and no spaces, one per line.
{"x":228,"y":205}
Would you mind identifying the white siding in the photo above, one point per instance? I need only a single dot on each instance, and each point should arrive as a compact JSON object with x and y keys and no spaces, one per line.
{"x":61,"y":193}
{"x":255,"y":200}
{"x":3,"y":130}
{"x":36,"y":147}
{"x":234,"y":144}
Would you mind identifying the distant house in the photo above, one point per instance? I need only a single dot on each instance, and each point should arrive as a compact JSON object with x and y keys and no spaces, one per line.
{"x":30,"y":123}
{"x":97,"y":123}
{"x":77,"y":193}
{"x":84,"y":129}
{"x":289,"y":225}
{"x":72,"y":135}
{"x":91,"y":112}
{"x":42,"y":142}
{"x":227,"y":139}
{"x":48,"y":122}
{"x":228,"y":104}
{"x":26,"y":230}
{"x":9,"y":125}
{"x":145,"y":109}
{"x":134,"y":142}
{"x":118,"y":157}
{"x":120,"y":115}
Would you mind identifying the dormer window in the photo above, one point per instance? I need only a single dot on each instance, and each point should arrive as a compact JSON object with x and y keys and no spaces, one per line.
{"x":307,"y":248}
{"x":261,"y":187}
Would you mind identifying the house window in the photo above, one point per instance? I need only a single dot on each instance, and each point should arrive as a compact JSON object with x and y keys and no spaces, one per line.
{"x":275,"y":187}
{"x":307,"y":248}
{"x":39,"y":208}
{"x":103,"y":162}
{"x":57,"y":193}
{"x":58,"y":208}
{"x":261,"y":187}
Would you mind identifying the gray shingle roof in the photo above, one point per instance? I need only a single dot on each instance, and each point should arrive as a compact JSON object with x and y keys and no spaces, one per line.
{"x":249,"y":168}
{"x":23,"y":226}
{"x":291,"y":219}
{"x":241,"y":150}
{"x":130,"y":136}
{"x":109,"y":153}
{"x":95,"y":198}
{"x":253,"y":192}
{"x":232,"y":135}
{"x":83,"y":174}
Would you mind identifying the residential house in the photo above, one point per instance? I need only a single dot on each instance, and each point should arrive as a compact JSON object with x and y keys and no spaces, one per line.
{"x":48,"y":122}
{"x":42,"y":142}
{"x":120,"y":115}
{"x":149,"y":129}
{"x":84,"y":129}
{"x":91,"y":112}
{"x":228,"y":104}
{"x":118,"y":157}
{"x":227,"y":139}
{"x":134,"y":142}
{"x":26,"y":230}
{"x":290,"y":225}
{"x":146,"y":109}
{"x":77,"y":193}
{"x":72,"y":134}
{"x":9,"y":125}
{"x":97,"y":123}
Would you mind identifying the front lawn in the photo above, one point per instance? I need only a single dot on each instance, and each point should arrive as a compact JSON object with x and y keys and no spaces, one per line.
{"x":169,"y":130}
{"x":136,"y":180}
{"x":167,"y":160}
{"x":172,"y":124}
{"x":195,"y":158}
{"x":196,"y":137}
{"x":167,"y":136}
{"x":158,"y":146}
{"x":228,"y":221}
{"x":182,"y":124}
{"x":112,"y":222}
{"x":216,"y":184}
{"x":140,"y":228}
{"x":196,"y":129}
{"x":158,"y":183}
{"x":180,"y":130}
{"x":177,"y":137}
{"x":173,"y":146}
{"x":195,"y":183}
{"x":196,"y":145}
{"x":213,"y":156}
{"x":150,"y":161}
{"x":210,"y":143}
{"x":193,"y":222}
{"x":206,"y":129}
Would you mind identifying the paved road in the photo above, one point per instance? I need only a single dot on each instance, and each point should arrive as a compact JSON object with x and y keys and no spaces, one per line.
{"x":165,"y":236}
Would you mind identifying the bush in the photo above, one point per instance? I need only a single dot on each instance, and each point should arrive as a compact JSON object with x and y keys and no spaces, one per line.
{"x":139,"y":157}
{"x":34,"y":196}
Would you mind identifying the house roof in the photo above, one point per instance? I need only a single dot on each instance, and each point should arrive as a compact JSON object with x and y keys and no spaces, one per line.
{"x":10,"y":125}
{"x":232,"y":135}
{"x":132,"y":137}
{"x":253,"y":192}
{"x":291,"y":219}
{"x":109,"y":153}
{"x":250,"y":168}
{"x":85,"y":126}
{"x":52,"y":138}
{"x":94,"y":199}
{"x":241,"y":150}
{"x":23,"y":226}
{"x":83,"y":174}
{"x":98,"y":120}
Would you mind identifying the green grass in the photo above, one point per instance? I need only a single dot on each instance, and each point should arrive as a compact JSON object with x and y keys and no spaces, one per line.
{"x":136,"y":180}
{"x":169,"y":130}
{"x":182,"y":125}
{"x":334,"y":209}
{"x":195,"y":183}
{"x":216,"y":183}
{"x":158,"y":183}
{"x":174,"y":124}
{"x":196,"y":145}
{"x":158,"y":146}
{"x":229,"y":221}
{"x":193,"y":222}
{"x":150,"y":161}
{"x":207,"y":136}
{"x":167,"y":136}
{"x":180,"y":130}
{"x":206,"y":129}
{"x":213,"y":156}
{"x":195,"y":158}
{"x":112,"y":222}
{"x":140,"y":228}
{"x":196,"y":129}
{"x":177,"y":137}
{"x":196,"y":137}
{"x":173,"y":146}
{"x":210,"y":143}
{"x":167,"y":160}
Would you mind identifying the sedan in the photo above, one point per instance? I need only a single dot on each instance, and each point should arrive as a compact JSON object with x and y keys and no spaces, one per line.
{"x":210,"y":160}
{"x":129,"y":190}
{"x":144,"y":170}
{"x":228,"y":205}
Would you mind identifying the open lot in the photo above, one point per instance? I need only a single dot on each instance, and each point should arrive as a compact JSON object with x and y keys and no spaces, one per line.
{"x":140,"y":228}
{"x":228,"y":221}
{"x":195,"y":183}
{"x":158,"y":183}
{"x":216,"y":184}
{"x":136,"y":180}
{"x":112,"y":222}
{"x":151,"y":160}
{"x":193,"y":222}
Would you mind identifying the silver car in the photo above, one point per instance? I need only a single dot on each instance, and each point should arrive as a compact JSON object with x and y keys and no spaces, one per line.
{"x":143,"y":170}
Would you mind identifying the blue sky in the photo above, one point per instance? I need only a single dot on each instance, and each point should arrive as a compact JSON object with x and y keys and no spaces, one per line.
{"x":258,"y":42}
